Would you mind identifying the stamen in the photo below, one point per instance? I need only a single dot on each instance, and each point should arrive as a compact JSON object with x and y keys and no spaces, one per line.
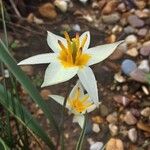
{"x":85,"y":98}
{"x":68,"y":40}
{"x":83,"y":41}
{"x":77,"y":40}
{"x":77,"y":94}
{"x":72,"y":53}
{"x":62,"y":46}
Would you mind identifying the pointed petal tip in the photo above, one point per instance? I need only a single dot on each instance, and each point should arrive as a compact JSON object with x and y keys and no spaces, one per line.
{"x":119,"y":42}
{"x":43,"y":85}
{"x":21,"y":63}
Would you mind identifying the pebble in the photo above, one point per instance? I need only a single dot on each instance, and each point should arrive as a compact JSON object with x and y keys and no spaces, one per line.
{"x":138,"y":75}
{"x":28,"y":70}
{"x":131,"y":39}
{"x":142,"y":32}
{"x":76,"y":27}
{"x":140,"y":4}
{"x":48,"y":10}
{"x":129,"y":118}
{"x":39,"y":112}
{"x":113,"y":129}
{"x":6,"y":73}
{"x":111,"y":38}
{"x":122,"y":7}
{"x":145,"y":90}
{"x":116,"y":29}
{"x":129,"y":30}
{"x":112,"y":118}
{"x":133,"y":52}
{"x":83,"y":1}
{"x":114,"y":144}
{"x":45,"y":93}
{"x":142,"y":13}
{"x":101,"y":4}
{"x":61,"y":4}
{"x":96,"y":146}
{"x":144,"y":66}
{"x":103,"y":110}
{"x":95,"y":5}
{"x":111,"y":19}
{"x":32,"y":18}
{"x":135,"y":21}
{"x":146,"y":112}
{"x":132,"y":135}
{"x":145,"y":50}
{"x":98,"y":119}
{"x":119,"y":78}
{"x":135,"y":112}
{"x":119,"y":52}
{"x":109,"y":7}
{"x":128,"y":66}
{"x":95,"y":128}
{"x":143,"y":126}
{"x":121,"y":100}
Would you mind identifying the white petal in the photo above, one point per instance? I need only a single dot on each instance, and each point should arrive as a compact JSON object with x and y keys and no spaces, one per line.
{"x":58,"y":99}
{"x":39,"y":59}
{"x":91,"y":108}
{"x":80,"y":119}
{"x":73,"y":91}
{"x":56,"y":73}
{"x":99,"y":53}
{"x":52,"y":41}
{"x":88,"y":80}
{"x":87,"y":43}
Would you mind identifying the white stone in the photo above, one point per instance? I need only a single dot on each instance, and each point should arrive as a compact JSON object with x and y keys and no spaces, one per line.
{"x":61,"y":4}
{"x":132,"y":52}
{"x":76,"y":27}
{"x":113,"y":129}
{"x":119,"y":78}
{"x":145,"y":90}
{"x":146,"y":112}
{"x":131,"y":39}
{"x":83,"y":1}
{"x":96,"y":146}
{"x":132,"y":134}
{"x":144,"y":66}
{"x":96,"y":128}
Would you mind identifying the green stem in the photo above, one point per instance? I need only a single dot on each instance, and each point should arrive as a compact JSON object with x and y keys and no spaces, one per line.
{"x":4,"y":24}
{"x":61,"y":137}
{"x":82,"y":135}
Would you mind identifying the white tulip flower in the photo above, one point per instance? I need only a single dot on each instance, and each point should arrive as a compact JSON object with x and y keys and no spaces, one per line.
{"x":71,"y":57}
{"x":77,"y":103}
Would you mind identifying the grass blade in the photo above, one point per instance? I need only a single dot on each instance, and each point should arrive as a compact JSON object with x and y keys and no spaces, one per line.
{"x":29,"y":122}
{"x":8,"y":60}
{"x":3,"y":145}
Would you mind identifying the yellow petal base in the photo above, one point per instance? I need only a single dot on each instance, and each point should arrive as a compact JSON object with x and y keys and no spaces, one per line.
{"x":72,"y":55}
{"x":79,"y":105}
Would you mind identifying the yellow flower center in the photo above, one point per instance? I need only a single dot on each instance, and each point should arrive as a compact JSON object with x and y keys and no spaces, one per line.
{"x":71,"y":54}
{"x":79,"y":105}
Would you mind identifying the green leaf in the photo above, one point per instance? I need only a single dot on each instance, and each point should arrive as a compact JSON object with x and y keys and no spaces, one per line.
{"x":8,"y":60}
{"x":3,"y":145}
{"x":28,"y":121}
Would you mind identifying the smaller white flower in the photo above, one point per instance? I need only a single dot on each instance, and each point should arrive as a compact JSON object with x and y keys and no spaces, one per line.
{"x":77,"y":103}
